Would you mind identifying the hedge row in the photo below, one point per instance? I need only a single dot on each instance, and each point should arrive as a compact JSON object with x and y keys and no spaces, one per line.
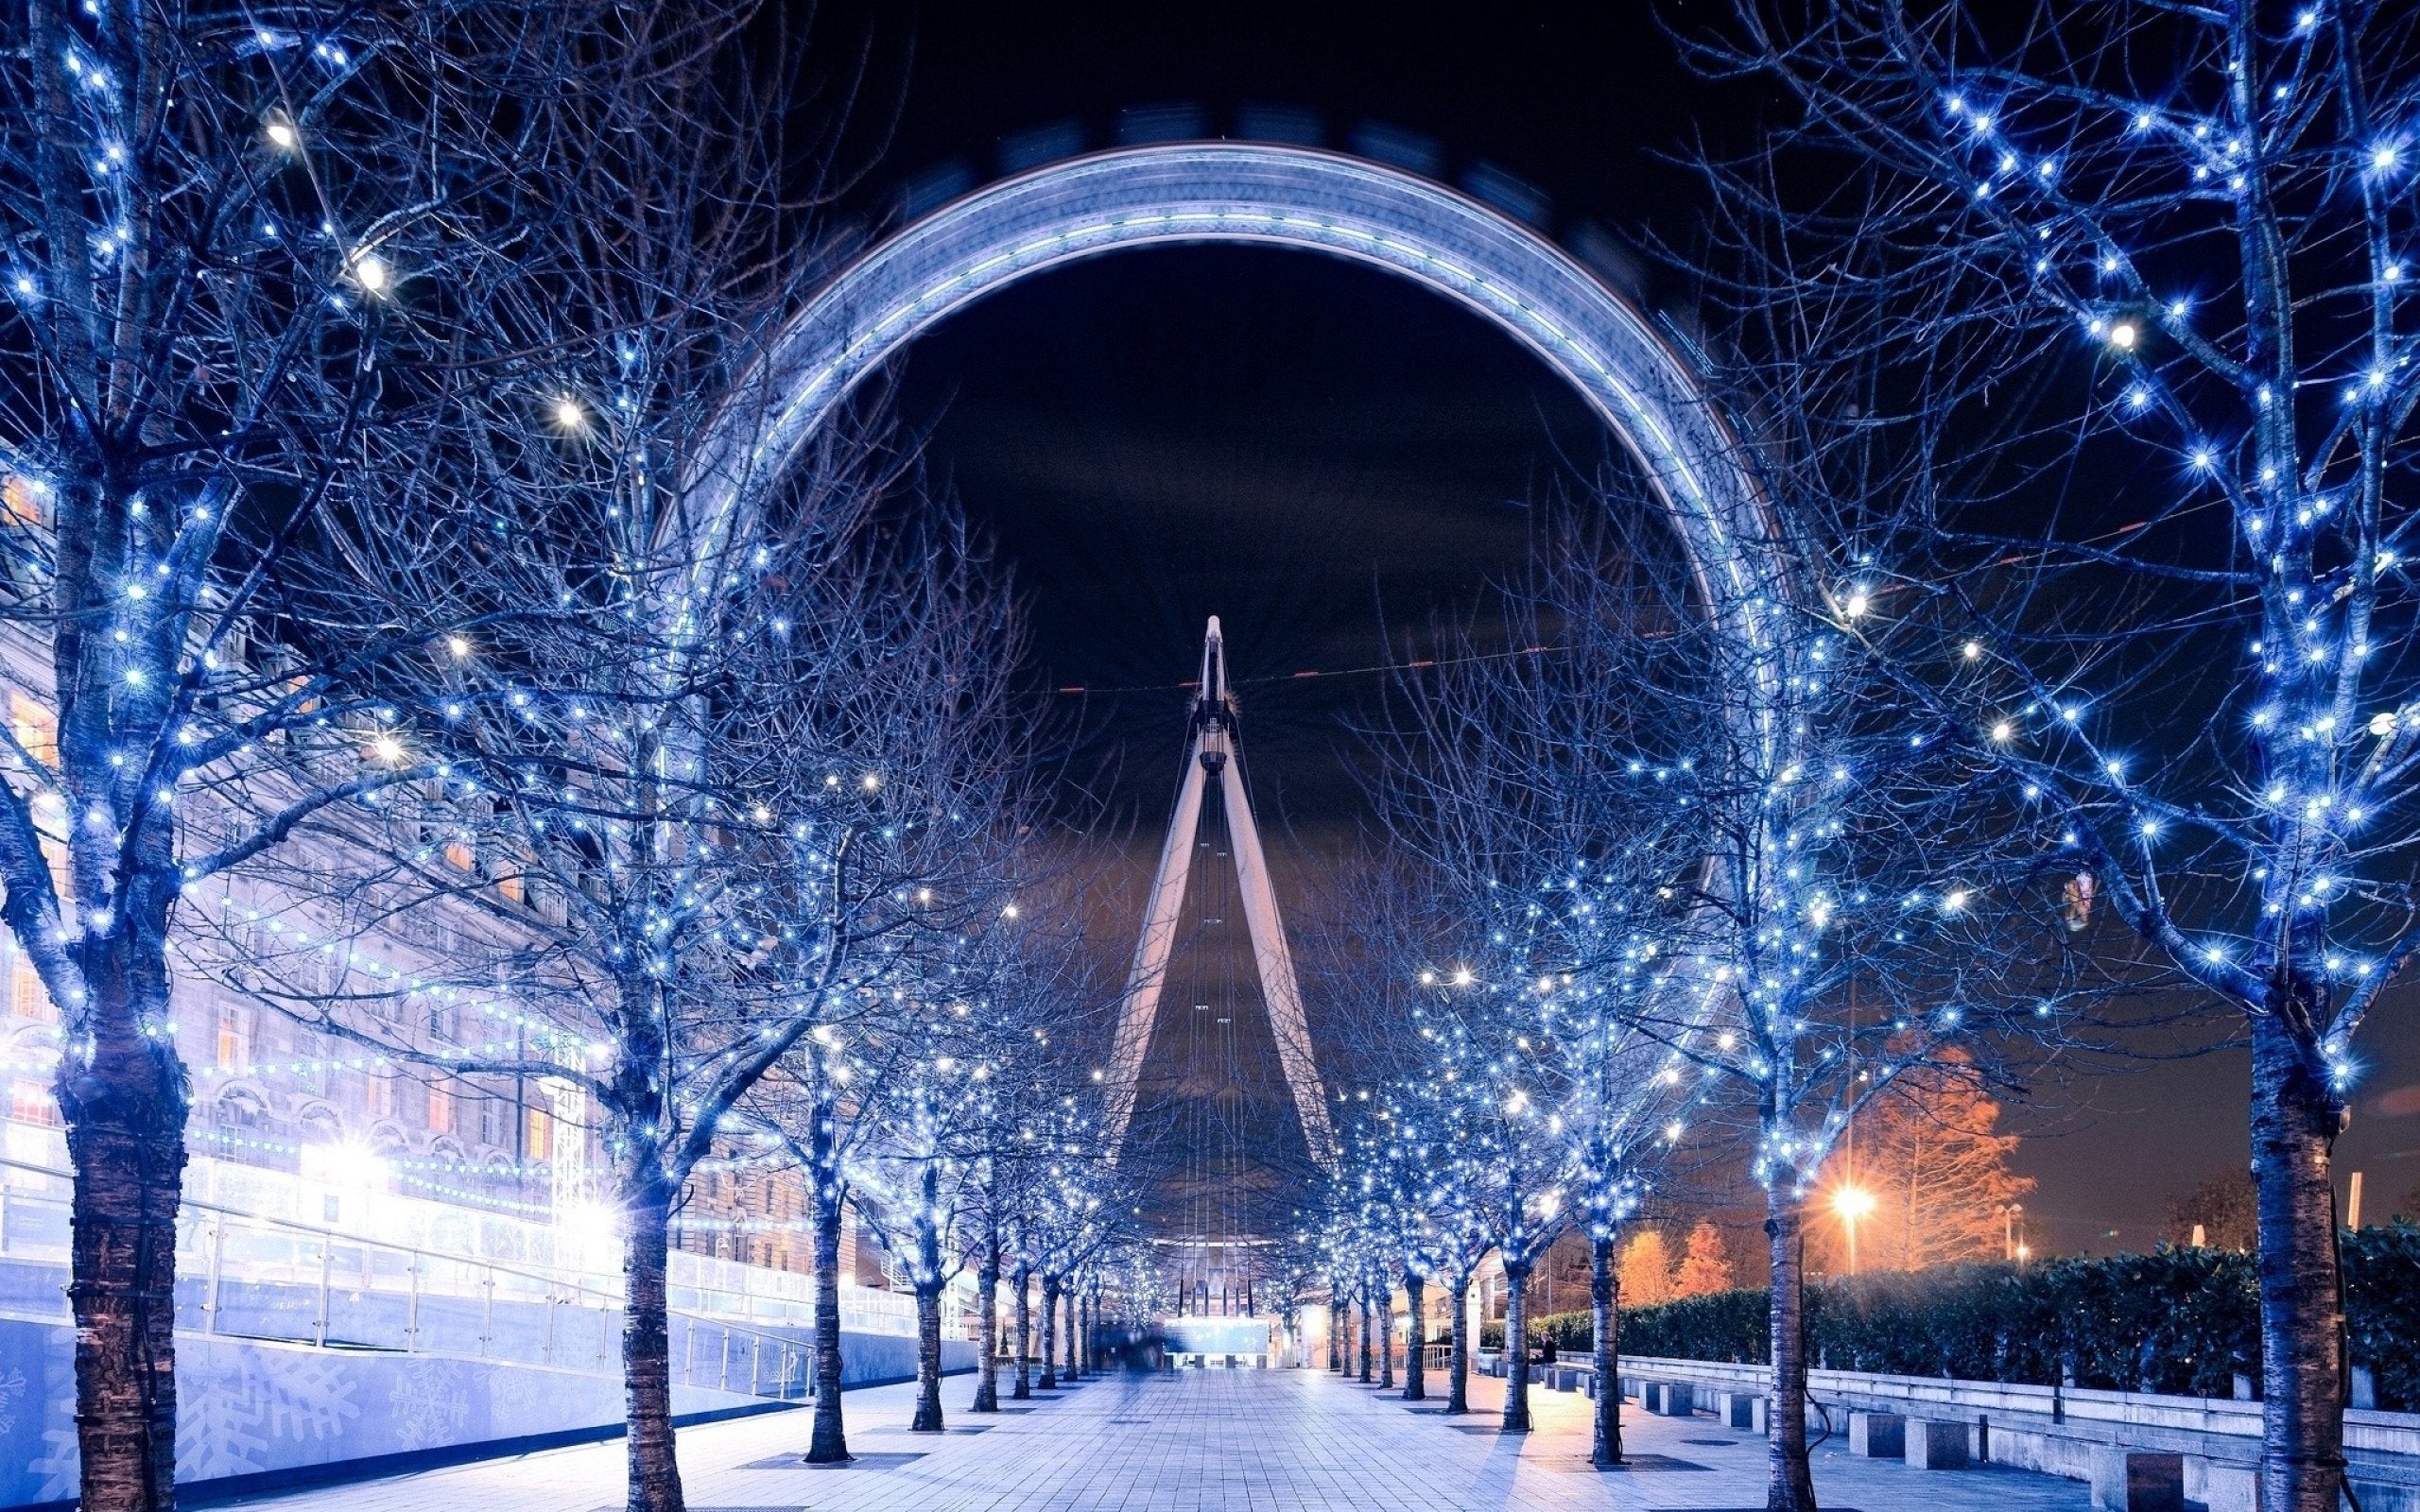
{"x":2179,"y":1321}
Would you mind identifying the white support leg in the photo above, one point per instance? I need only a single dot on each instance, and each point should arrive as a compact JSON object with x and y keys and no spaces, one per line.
{"x":1279,"y":986}
{"x":1150,"y":968}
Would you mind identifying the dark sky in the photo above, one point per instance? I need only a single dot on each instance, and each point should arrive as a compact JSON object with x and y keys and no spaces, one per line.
{"x":1285,"y":440}
{"x":1292,"y":443}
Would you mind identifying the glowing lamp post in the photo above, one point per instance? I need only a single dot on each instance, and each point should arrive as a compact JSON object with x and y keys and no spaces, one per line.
{"x":1852,"y":1203}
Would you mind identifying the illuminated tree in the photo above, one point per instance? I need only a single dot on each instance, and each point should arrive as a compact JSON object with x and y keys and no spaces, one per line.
{"x":915,"y":1183}
{"x":1501,"y":1178}
{"x":1033,"y":982}
{"x":1726,"y":871}
{"x":1706,"y":1263}
{"x":1072,"y":1215}
{"x":1930,"y":1155}
{"x":1524,"y":824}
{"x":741,"y":852}
{"x":1647,"y":1269}
{"x":2138,"y":284}
{"x":247,"y":252}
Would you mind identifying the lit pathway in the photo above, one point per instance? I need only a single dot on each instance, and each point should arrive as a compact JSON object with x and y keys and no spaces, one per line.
{"x":1273,"y":1441}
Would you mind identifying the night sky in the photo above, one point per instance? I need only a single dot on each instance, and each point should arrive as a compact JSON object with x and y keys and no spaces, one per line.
{"x":1296,"y":445}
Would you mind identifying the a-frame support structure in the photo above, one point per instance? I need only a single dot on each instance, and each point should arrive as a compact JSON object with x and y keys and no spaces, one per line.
{"x":1212,"y":755}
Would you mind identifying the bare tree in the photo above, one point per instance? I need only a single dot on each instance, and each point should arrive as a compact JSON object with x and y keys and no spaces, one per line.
{"x":914,"y":1185}
{"x":1693,"y":862}
{"x":221,"y":334}
{"x":2164,"y":245}
{"x":1045,"y":987}
{"x":690,"y":854}
{"x":950,"y":1160}
{"x":1509,"y":777}
{"x":1074,"y":1213}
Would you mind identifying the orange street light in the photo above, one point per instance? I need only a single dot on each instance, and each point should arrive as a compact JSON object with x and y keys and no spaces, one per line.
{"x":1852,"y":1203}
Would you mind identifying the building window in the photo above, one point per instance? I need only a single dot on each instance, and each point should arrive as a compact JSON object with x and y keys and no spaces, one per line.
{"x":24,"y":501}
{"x":238,"y":1113}
{"x":27,"y":997}
{"x":234,"y":1036}
{"x":35,"y":727}
{"x":441,"y":1108}
{"x":539,"y":1131}
{"x":30,"y":1102}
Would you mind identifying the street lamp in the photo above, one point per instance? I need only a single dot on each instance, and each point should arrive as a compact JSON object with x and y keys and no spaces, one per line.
{"x":2009,"y":1215}
{"x":1852,"y":1203}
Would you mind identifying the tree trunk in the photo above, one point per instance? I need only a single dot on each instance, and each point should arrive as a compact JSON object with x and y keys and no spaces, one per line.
{"x":928,"y":1304}
{"x":647,"y":1342}
{"x":1789,"y":1485}
{"x":1050,"y":1332}
{"x":1457,"y":1367}
{"x":1364,"y":1335}
{"x":1605,"y":1307}
{"x":987,"y":1373}
{"x":1516,"y":1347}
{"x":928,"y":1360}
{"x":1336,"y":1332}
{"x":829,"y":1443}
{"x":1386,"y":1336}
{"x":1023,"y":1390}
{"x":1075,"y":1344}
{"x":1415,"y":1380}
{"x":2296,"y":1117}
{"x":126,"y":1112}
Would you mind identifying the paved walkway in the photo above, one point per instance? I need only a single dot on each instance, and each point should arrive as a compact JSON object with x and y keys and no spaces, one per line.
{"x":1272,"y":1441}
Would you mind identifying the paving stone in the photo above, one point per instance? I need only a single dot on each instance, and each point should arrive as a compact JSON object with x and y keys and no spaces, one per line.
{"x":1246,"y":1440}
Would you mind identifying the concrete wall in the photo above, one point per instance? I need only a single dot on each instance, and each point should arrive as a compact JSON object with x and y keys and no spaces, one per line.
{"x":879,"y":1358}
{"x":2055,"y":1429}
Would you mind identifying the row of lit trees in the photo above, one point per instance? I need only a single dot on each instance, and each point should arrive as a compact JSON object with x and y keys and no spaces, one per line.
{"x":261,"y":266}
{"x":1663,"y":878}
{"x":2073,"y":349}
{"x":2112,"y":305}
{"x":365,"y":366}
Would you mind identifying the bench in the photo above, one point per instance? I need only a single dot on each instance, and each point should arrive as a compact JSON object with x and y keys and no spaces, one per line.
{"x":1878,"y":1435}
{"x":2133,"y":1480}
{"x":1935,"y":1445}
{"x":1744,"y":1410}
